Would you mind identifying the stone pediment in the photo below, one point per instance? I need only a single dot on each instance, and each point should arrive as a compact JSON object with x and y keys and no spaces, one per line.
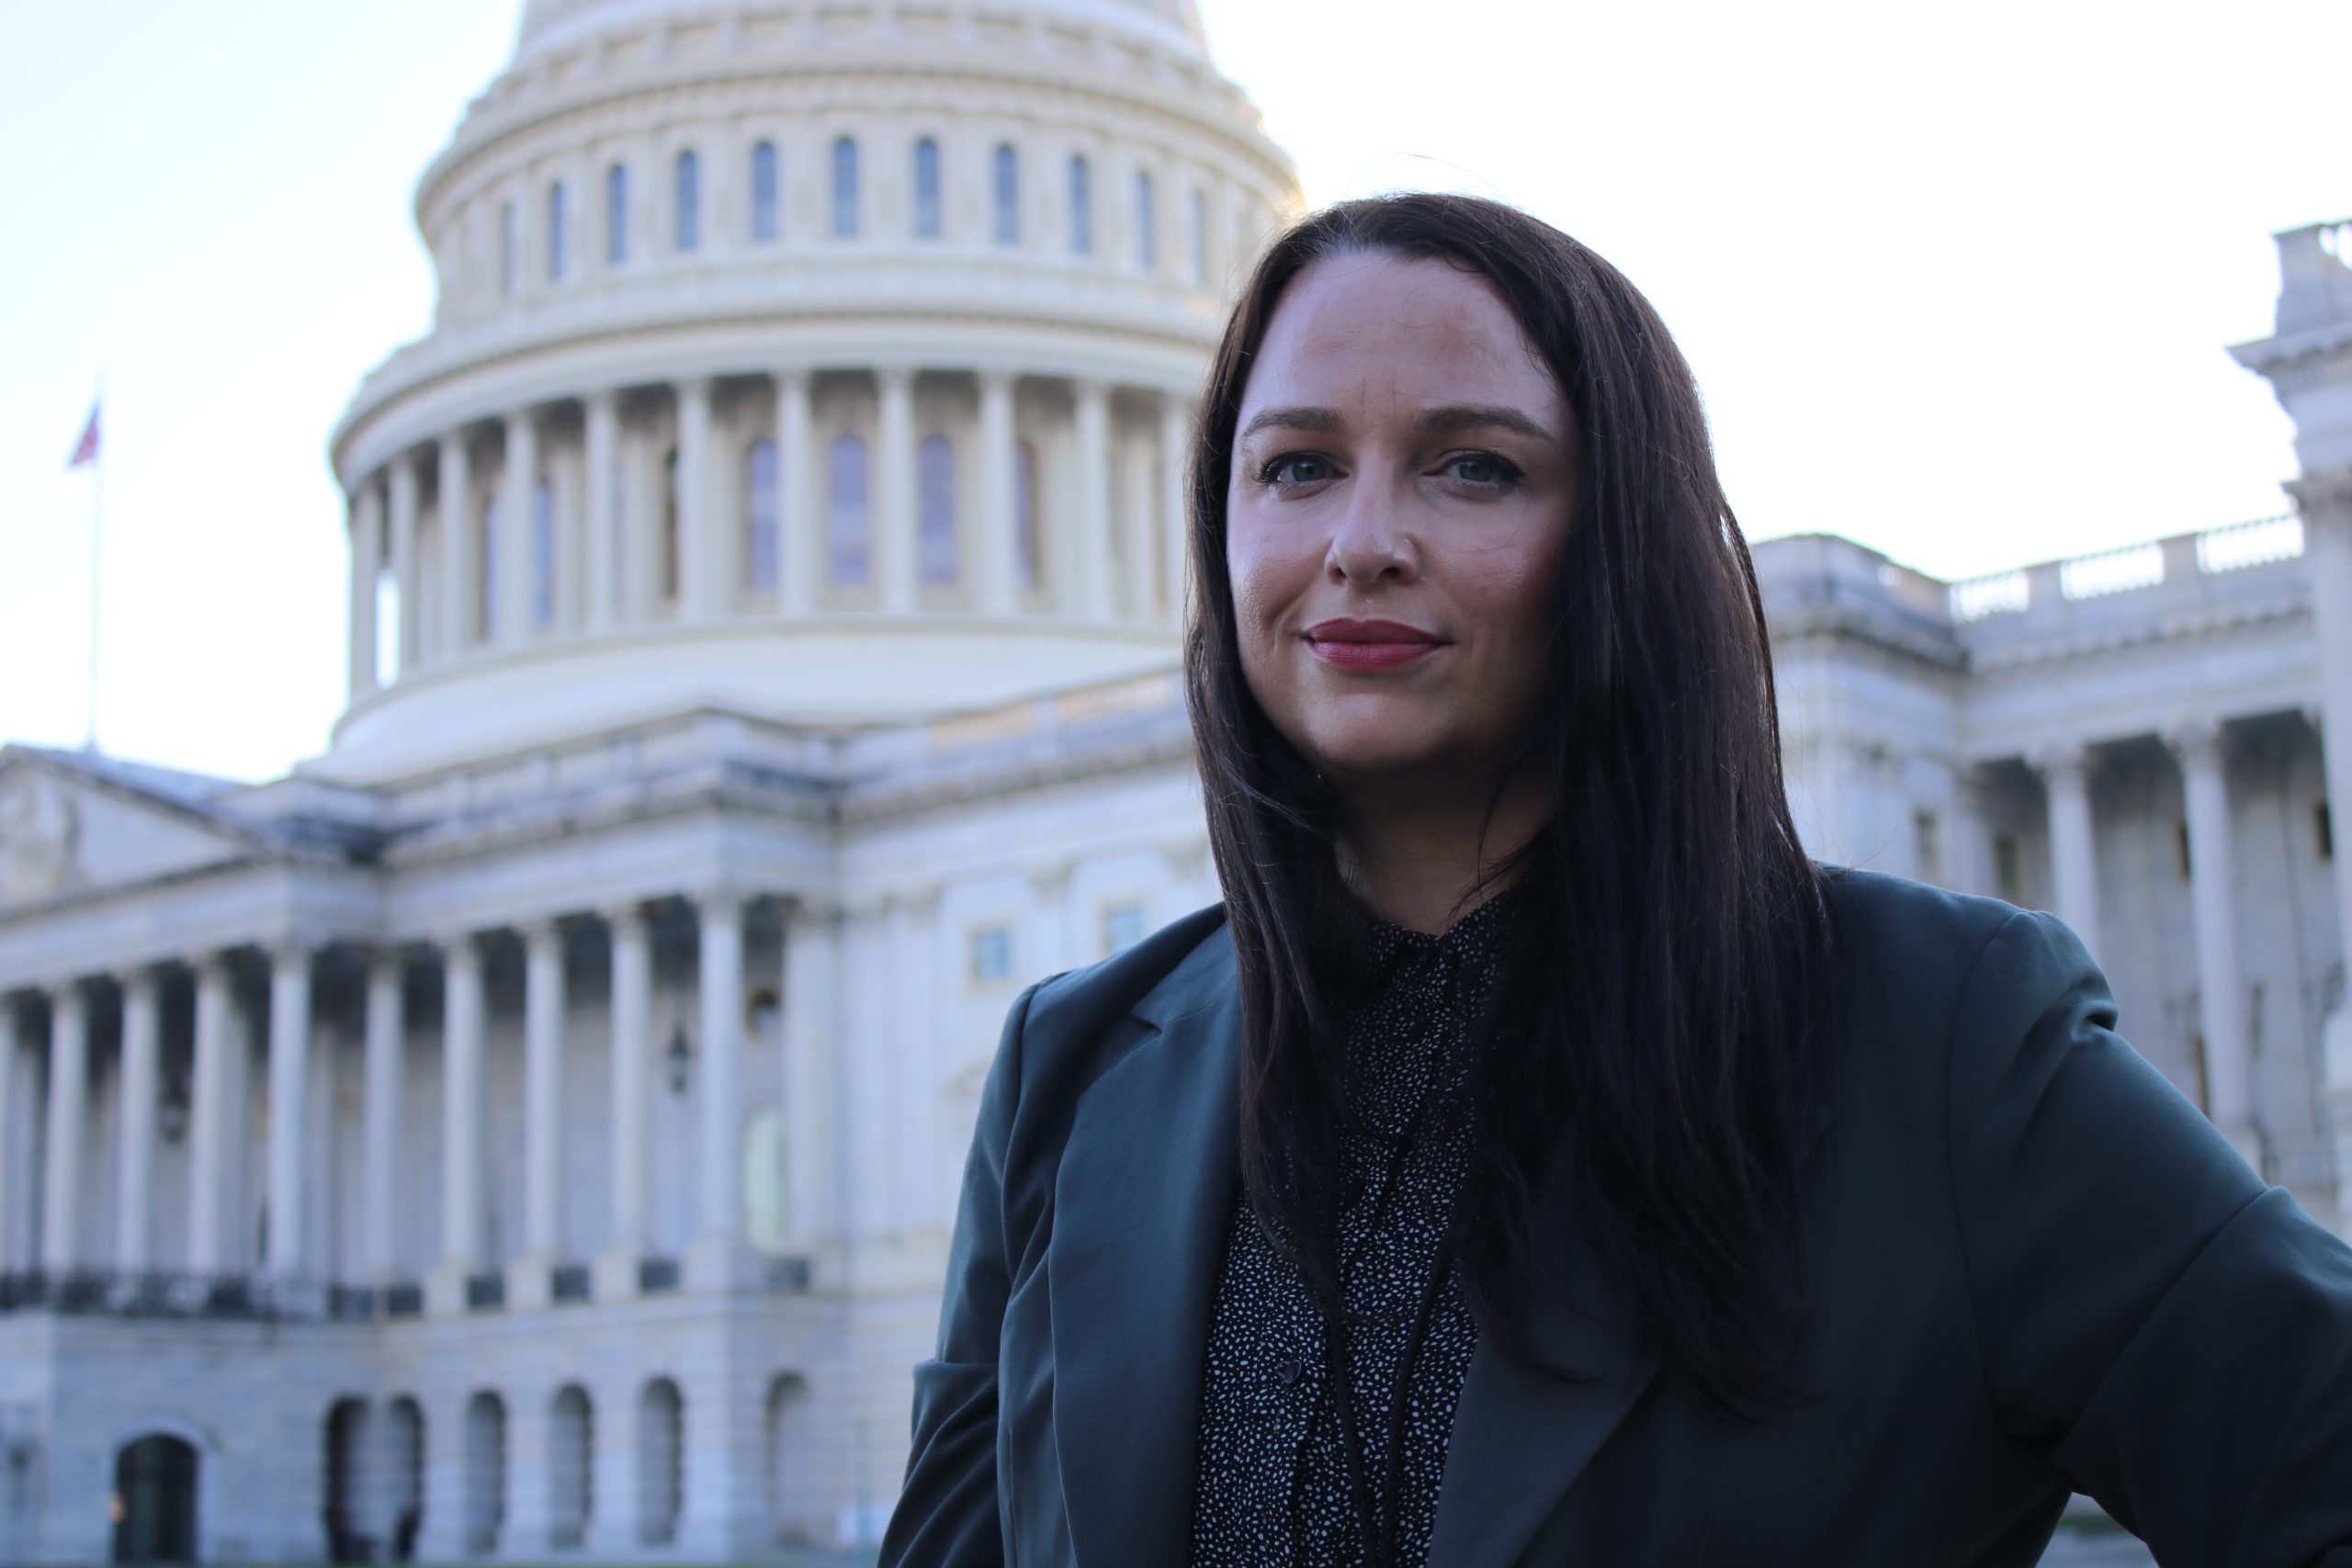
{"x":67,"y":829}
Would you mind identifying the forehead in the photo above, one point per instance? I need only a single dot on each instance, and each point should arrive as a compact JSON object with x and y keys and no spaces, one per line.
{"x":1356,"y":330}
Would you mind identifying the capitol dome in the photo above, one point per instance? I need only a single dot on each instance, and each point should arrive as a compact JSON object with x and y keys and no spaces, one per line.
{"x":829,"y":364}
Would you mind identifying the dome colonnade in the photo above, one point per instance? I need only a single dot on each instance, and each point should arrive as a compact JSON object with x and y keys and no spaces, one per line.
{"x":847,"y":352}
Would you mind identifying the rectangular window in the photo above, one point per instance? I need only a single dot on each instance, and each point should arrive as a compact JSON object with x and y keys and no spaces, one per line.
{"x":559,"y":231}
{"x":510,"y":247}
{"x":542,"y":552}
{"x":2181,"y":842}
{"x":1200,"y":240}
{"x":765,"y":223}
{"x":617,"y":215}
{"x":845,"y":195}
{"x":1122,"y":927}
{"x":486,"y":571}
{"x":992,"y":955}
{"x":927,"y":225}
{"x":2324,"y":828}
{"x":849,"y":522}
{"x":1147,"y":222}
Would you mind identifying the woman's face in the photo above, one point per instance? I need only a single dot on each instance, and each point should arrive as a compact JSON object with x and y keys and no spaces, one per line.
{"x":1402,"y":481}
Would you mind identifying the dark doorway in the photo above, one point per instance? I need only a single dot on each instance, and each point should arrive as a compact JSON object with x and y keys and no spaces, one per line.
{"x":154,"y":1490}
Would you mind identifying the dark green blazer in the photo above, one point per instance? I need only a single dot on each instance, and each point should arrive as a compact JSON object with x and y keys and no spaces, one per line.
{"x":2037,"y":1270}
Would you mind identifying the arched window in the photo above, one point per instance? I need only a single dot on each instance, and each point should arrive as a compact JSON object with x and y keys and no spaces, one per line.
{"x":616,"y":214}
{"x":510,"y":247}
{"x":572,"y":1450}
{"x":484,"y":1500}
{"x":1081,"y":207}
{"x":795,"y":1508}
{"x":766,"y":210}
{"x":1200,"y":239}
{"x":844,"y":189}
{"x":1029,"y":556}
{"x":559,"y":231}
{"x":661,"y":1462}
{"x":1007,"y":164}
{"x":686,"y":194}
{"x":848,"y":521}
{"x":670,"y":524}
{"x":542,"y":552}
{"x":406,"y":1481}
{"x":935,"y":497}
{"x":759,"y":519}
{"x":347,"y":1431}
{"x":1147,"y":222}
{"x":926,"y":190}
{"x":486,"y":570}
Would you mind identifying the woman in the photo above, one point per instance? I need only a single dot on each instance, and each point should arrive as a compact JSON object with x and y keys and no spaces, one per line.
{"x":1537,"y":1158}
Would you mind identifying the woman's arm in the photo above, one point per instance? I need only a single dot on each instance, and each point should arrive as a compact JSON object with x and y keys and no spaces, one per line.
{"x":2174,"y":1337}
{"x":946,"y":1515}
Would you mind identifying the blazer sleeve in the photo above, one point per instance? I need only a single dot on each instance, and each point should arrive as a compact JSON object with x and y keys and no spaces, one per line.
{"x":2170,"y":1334}
{"x":946,"y":1513}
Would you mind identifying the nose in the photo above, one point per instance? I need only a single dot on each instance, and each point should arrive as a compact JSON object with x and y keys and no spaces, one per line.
{"x":1369,"y":542}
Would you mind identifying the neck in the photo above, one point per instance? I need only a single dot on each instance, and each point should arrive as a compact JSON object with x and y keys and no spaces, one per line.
{"x":1421,"y":860}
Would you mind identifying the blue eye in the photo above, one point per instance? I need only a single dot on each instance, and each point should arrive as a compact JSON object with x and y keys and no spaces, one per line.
{"x":1482,"y":468}
{"x":1295,"y":469}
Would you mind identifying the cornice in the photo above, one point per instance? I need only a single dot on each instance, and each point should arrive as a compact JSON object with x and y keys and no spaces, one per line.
{"x":2219,"y":622}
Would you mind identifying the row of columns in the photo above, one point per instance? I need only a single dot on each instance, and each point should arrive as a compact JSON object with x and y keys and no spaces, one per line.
{"x":217,"y":1087}
{"x":615,"y":582}
{"x":2202,"y":751}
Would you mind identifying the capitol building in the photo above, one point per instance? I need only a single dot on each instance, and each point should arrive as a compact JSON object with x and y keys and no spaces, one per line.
{"x":531,"y":1129}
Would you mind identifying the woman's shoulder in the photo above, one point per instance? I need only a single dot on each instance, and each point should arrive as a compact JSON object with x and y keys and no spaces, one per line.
{"x":1915,"y":934}
{"x":1186,"y":964}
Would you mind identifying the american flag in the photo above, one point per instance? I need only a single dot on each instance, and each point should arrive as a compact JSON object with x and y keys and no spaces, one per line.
{"x":86,"y":449}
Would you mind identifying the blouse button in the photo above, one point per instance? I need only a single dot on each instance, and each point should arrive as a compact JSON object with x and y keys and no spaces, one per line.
{"x":1288,"y":1370}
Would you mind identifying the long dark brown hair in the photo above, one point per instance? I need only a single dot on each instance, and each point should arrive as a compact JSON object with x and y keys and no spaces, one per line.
{"x":1665,"y":987}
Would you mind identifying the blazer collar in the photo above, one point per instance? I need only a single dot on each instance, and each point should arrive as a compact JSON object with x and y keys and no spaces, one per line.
{"x":1145,"y":1190}
{"x":1143,"y":1199}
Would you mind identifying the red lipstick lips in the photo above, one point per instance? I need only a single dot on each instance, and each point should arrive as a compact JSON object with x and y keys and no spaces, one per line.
{"x":1366,"y":647}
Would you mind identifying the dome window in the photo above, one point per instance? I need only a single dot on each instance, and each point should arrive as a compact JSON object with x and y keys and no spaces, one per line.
{"x":848,"y":520}
{"x":927,"y":189}
{"x":760,"y":521}
{"x":1147,"y":222}
{"x":616,"y":214}
{"x":846,"y":197}
{"x":686,"y":194}
{"x":509,"y":248}
{"x":1008,"y":195}
{"x":486,"y":571}
{"x":1081,"y":207}
{"x":765,"y":209}
{"x":936,"y":494}
{"x":1200,"y":239}
{"x":559,"y":231}
{"x":542,"y":552}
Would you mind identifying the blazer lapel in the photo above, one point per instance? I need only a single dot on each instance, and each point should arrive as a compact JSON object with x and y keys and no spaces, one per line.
{"x":1522,"y":1437}
{"x":1144,"y":1192}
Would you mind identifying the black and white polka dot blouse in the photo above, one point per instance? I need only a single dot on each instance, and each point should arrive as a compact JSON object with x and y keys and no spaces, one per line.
{"x":1274,"y":1488}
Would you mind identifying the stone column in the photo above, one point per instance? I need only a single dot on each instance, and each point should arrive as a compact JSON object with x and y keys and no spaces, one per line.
{"x":812,"y":945}
{"x":380,"y":1113}
{"x":16,"y":1174}
{"x":996,"y":548}
{"x":69,"y":1109}
{"x":1090,"y":522}
{"x":865,"y":1143}
{"x":542,"y":1112}
{"x":1175,"y":513}
{"x":632,"y":1026}
{"x":800,"y":523}
{"x":290,"y":1100}
{"x":2203,"y":752}
{"x":719,"y":1257}
{"x":210,"y":1149}
{"x":366,"y":559}
{"x":143,"y":1045}
{"x":401,"y":481}
{"x":600,"y":491}
{"x":517,"y":552}
{"x":458,"y":609}
{"x":912,"y":1086}
{"x":462,"y":1127}
{"x":2074,"y":856}
{"x":1138,"y":554}
{"x":2328,"y":546}
{"x":705,"y":587}
{"x":895,"y":564}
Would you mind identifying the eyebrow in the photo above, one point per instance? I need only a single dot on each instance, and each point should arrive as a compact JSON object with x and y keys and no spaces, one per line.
{"x":1441,"y":421}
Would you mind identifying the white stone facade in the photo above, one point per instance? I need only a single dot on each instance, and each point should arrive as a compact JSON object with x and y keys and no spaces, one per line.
{"x":532,"y":1128}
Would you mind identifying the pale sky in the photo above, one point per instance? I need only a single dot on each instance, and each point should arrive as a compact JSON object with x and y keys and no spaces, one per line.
{"x":1957,"y":280}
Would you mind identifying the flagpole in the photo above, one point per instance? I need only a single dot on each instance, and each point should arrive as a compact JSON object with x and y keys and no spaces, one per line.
{"x":98,"y":533}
